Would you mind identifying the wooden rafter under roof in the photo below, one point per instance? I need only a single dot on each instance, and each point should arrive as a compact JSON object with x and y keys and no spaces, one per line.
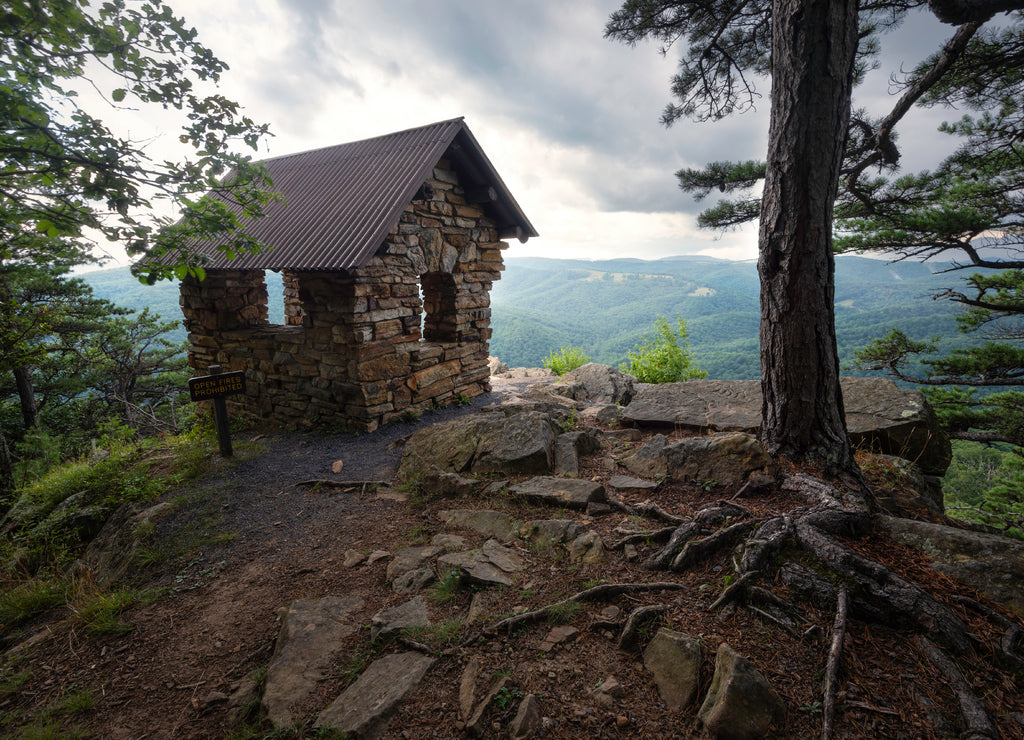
{"x":339,"y":203}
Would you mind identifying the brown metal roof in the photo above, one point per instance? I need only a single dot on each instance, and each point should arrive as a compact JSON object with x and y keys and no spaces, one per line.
{"x":339,"y":203}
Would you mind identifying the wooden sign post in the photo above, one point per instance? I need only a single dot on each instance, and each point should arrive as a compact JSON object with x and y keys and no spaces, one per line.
{"x":216,"y":386}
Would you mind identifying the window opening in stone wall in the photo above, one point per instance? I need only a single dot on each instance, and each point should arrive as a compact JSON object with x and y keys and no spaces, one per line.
{"x":439,"y":322}
{"x":276,"y":309}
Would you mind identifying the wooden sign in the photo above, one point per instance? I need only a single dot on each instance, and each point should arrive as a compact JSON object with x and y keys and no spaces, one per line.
{"x":216,"y":386}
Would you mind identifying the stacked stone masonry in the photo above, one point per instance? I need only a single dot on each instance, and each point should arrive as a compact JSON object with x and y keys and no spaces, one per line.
{"x":351,"y":351}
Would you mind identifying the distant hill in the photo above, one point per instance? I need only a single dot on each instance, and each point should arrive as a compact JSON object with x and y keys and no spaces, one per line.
{"x":119,"y":286}
{"x":606,"y":306}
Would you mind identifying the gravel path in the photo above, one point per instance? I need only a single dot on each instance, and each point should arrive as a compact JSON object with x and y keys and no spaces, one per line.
{"x":256,"y":500}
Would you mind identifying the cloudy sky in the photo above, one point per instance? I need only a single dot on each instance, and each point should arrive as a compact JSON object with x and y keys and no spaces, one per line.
{"x":570,"y":119}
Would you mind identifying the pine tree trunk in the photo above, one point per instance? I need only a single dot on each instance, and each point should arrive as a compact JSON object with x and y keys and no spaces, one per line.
{"x":6,"y":476}
{"x":813,"y":45}
{"x":27,"y":395}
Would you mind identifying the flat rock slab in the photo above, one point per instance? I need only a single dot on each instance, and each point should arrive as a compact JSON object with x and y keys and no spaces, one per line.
{"x":557,"y":636}
{"x":482,"y":521}
{"x":571,"y":493}
{"x":410,"y":614}
{"x":718,"y":405}
{"x":879,"y":414}
{"x":312,"y":630}
{"x":493,"y":564}
{"x":365,"y":708}
{"x":411,"y":558}
{"x":629,"y":483}
{"x":992,"y":564}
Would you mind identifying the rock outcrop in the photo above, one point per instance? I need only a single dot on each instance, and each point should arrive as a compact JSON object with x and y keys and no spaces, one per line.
{"x":880,"y":416}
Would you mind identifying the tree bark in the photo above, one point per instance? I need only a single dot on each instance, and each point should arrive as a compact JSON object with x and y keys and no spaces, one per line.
{"x":813,"y":45}
{"x":27,"y":395}
{"x":6,"y":476}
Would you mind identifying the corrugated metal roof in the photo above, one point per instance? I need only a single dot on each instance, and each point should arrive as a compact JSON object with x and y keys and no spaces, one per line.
{"x":339,"y":203}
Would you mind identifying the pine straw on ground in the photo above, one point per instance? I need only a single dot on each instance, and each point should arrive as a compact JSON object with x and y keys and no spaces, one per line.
{"x":219,"y":616}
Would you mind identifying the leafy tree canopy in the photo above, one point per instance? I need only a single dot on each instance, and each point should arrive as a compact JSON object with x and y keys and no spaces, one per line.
{"x":64,"y":172}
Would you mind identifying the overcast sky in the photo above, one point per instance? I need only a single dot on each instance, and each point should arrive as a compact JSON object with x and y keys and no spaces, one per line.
{"x":569,"y":119}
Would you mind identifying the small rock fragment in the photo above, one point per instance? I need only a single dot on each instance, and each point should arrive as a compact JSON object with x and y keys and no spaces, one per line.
{"x":557,"y":636}
{"x":467,"y":687}
{"x":527,"y":721}
{"x":410,"y":614}
{"x":352,"y":558}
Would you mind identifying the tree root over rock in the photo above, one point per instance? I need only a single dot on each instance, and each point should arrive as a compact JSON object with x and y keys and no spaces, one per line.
{"x":835,"y":577}
{"x":866,"y":589}
{"x":597,"y":593}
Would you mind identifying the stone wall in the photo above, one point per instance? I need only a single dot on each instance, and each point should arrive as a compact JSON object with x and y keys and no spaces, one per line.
{"x":351,"y":350}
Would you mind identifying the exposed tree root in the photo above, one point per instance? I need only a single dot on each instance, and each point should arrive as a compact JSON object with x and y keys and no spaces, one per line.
{"x":629,"y":637}
{"x":604,"y":591}
{"x":733,"y":590}
{"x":832,"y":668}
{"x":1007,"y":645}
{"x":971,"y":707}
{"x":717,"y":513}
{"x":706,"y":546}
{"x":641,"y":537}
{"x":651,"y":510}
{"x":889,"y":592}
{"x":838,"y":578}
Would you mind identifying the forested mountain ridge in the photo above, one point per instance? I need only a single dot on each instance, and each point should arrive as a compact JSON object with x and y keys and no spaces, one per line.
{"x":606,"y":306}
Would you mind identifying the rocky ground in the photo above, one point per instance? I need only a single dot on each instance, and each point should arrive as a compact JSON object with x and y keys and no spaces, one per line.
{"x":233,"y":554}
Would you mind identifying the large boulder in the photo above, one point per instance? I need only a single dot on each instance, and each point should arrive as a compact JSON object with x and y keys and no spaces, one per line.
{"x":559,"y":492}
{"x":699,"y":405}
{"x":515,"y":444}
{"x":895,"y":421}
{"x":726,"y":458}
{"x":879,"y":415}
{"x":992,"y":564}
{"x":596,"y":384}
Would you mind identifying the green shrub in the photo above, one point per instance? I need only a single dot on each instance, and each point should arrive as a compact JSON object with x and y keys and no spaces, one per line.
{"x":664,"y":357}
{"x":566,"y":360}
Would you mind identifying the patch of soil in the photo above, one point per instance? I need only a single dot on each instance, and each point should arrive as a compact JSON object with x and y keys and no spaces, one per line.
{"x":252,"y":541}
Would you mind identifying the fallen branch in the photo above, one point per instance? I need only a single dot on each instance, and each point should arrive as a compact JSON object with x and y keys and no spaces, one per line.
{"x":832,"y":670}
{"x":339,"y":483}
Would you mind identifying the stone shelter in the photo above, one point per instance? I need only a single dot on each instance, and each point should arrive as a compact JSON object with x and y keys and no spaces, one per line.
{"x":388,"y":249}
